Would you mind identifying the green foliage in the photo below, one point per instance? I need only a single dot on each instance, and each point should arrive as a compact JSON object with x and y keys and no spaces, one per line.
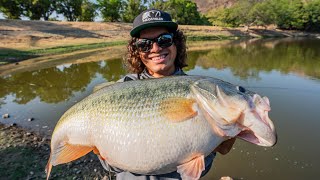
{"x":158,"y":4}
{"x":110,"y":9}
{"x":312,"y":15}
{"x":36,"y":9}
{"x":12,"y":9}
{"x":71,"y":9}
{"x":262,"y":14}
{"x":286,"y":14}
{"x":132,"y":9}
{"x":289,"y":14}
{"x":88,"y":11}
{"x":182,"y":11}
{"x":240,"y":12}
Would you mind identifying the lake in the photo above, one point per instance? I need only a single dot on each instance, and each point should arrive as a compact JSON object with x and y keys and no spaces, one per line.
{"x":287,"y":71}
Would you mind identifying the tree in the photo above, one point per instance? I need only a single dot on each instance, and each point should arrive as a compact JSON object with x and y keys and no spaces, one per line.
{"x":262,"y":14}
{"x":12,"y":9}
{"x":88,"y":11}
{"x":36,"y":9}
{"x":132,"y":9}
{"x":289,"y":14}
{"x":224,"y":17}
{"x":312,"y":10}
{"x":158,"y":4}
{"x":110,"y":9}
{"x":71,"y":9}
{"x":182,"y":11}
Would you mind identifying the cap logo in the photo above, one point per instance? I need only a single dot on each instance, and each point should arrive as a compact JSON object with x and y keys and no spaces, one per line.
{"x":151,"y":16}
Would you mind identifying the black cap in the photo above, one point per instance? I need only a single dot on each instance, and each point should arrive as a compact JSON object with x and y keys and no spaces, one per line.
{"x":152,"y":18}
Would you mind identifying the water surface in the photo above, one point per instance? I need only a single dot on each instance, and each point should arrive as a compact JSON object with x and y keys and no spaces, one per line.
{"x":285,"y":70}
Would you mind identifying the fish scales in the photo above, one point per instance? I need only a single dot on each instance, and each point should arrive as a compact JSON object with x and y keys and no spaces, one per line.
{"x":142,"y":126}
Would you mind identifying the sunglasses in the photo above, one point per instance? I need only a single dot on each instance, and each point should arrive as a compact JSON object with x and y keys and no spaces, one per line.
{"x":163,"y":41}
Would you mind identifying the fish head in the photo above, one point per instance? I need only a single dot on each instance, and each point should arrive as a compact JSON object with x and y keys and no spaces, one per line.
{"x":233,"y":111}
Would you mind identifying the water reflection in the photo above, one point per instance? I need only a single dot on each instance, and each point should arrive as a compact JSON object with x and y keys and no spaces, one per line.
{"x":244,"y":59}
{"x":247,"y":59}
{"x":286,"y":70}
{"x":57,"y":84}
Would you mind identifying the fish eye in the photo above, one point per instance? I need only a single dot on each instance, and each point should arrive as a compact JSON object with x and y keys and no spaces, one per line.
{"x":241,"y":89}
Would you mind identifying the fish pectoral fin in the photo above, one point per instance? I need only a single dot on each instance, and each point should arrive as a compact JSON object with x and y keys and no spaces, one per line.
{"x":192,"y":170}
{"x":69,"y":152}
{"x":96,"y":151}
{"x":65,"y":153}
{"x":48,"y":168}
{"x":178,"y":109}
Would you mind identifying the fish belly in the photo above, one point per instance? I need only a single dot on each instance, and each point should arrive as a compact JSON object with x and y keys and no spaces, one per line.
{"x":157,"y":146}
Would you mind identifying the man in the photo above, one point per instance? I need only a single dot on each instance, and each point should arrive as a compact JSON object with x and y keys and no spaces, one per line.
{"x":157,"y":49}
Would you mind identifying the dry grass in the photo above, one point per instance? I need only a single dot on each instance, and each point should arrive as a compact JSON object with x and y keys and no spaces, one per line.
{"x":26,"y":35}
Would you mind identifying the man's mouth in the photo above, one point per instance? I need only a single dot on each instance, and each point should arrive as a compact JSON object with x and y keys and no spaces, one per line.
{"x":161,"y":57}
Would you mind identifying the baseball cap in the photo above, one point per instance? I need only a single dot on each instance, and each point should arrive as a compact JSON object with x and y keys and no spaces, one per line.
{"x":152,"y":18}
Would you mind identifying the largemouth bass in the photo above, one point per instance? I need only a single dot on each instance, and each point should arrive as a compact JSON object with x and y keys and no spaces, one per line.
{"x":157,"y":126}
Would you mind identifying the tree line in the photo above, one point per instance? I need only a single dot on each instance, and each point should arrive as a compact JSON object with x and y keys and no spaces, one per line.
{"x":182,"y":11}
{"x":285,"y":14}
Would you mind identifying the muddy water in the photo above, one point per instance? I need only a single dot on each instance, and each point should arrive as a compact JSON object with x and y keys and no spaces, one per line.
{"x":285,"y":70}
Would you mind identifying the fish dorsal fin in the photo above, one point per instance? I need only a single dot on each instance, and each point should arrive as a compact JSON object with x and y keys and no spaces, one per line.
{"x":178,"y":109}
{"x":65,"y":153}
{"x":192,"y":170}
{"x":102,"y":85}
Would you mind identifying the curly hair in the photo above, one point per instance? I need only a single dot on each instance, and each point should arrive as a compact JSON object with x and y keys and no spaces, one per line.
{"x":134,"y":64}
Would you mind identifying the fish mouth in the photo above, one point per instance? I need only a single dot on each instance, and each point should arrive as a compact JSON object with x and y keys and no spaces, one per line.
{"x":249,"y":136}
{"x":262,"y":132}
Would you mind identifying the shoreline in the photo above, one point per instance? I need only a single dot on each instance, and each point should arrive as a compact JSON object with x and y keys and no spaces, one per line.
{"x":22,"y":40}
{"x":24,"y":155}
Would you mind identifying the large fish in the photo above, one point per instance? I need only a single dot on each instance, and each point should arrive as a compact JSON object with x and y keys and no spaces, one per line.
{"x":157,"y":126}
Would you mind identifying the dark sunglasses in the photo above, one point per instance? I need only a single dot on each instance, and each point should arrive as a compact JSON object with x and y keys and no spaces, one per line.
{"x":163,"y":41}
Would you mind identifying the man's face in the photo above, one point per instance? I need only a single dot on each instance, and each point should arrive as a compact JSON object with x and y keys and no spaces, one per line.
{"x":159,"y":61}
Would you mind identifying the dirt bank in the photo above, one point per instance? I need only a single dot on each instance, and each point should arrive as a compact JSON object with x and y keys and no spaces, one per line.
{"x":24,"y":155}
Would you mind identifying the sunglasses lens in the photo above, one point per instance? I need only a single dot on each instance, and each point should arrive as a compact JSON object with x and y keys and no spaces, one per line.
{"x":164,"y":40}
{"x":144,"y":45}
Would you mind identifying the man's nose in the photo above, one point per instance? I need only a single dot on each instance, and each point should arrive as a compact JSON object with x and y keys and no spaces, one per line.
{"x":155,"y":47}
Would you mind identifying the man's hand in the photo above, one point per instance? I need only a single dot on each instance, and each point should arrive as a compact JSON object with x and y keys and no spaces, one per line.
{"x":225,"y":146}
